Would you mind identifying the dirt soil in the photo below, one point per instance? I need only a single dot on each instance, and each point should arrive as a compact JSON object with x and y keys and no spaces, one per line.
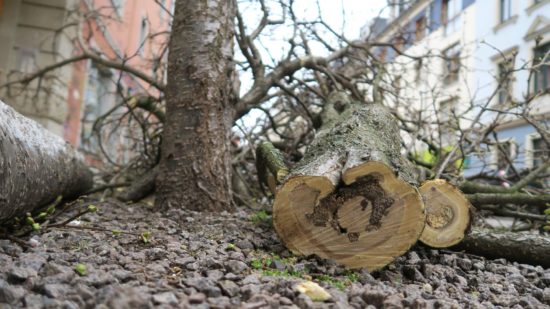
{"x":235,"y":260}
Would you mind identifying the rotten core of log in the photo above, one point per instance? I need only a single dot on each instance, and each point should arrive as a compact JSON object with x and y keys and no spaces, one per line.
{"x":36,"y":166}
{"x":353,"y":197}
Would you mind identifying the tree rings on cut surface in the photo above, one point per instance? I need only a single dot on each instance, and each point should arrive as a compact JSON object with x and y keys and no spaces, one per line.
{"x":448,"y":214}
{"x":368,"y":221}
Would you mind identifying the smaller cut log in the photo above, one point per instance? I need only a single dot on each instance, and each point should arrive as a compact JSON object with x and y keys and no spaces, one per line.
{"x":447,"y":214}
{"x":270,"y":166}
{"x":36,"y":166}
{"x":514,"y":246}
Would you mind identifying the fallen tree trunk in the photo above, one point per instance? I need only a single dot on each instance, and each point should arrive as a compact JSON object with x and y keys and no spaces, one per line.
{"x":513,"y":246}
{"x":36,"y":166}
{"x":353,"y":197}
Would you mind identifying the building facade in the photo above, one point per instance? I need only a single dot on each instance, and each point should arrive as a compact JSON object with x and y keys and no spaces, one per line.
{"x":463,"y":64}
{"x":36,"y":34}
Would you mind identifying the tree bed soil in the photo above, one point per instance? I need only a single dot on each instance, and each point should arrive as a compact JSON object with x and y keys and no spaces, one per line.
{"x":235,"y":260}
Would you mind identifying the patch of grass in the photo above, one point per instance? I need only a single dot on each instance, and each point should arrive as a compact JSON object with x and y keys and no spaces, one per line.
{"x":264,"y":261}
{"x":260,"y":217}
{"x":230,"y":247}
{"x":352,"y":276}
{"x":339,"y":284}
{"x":257,"y":264}
{"x":349,"y":278}
{"x":282,"y":273}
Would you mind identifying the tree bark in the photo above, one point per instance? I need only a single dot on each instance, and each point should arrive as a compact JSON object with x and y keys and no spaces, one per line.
{"x":195,"y":167}
{"x":352,"y":198}
{"x":36,"y":166}
{"x":513,"y":246}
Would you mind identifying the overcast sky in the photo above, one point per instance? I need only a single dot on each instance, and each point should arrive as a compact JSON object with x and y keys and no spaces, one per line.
{"x":344,"y":16}
{"x":352,"y":14}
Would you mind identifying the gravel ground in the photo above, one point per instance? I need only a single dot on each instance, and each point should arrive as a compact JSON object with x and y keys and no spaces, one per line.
{"x":236,"y":261}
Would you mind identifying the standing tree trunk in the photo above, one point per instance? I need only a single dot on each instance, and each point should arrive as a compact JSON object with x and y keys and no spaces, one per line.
{"x":195,"y":168}
{"x":36,"y":166}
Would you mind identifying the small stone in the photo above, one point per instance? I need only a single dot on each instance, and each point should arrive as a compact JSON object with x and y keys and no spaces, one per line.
{"x":123,"y":275}
{"x":192,"y":266}
{"x":10,"y":294}
{"x":285,"y":301}
{"x":55,"y":290}
{"x":374,"y":297}
{"x":229,"y":288}
{"x":219,"y":302}
{"x":197,"y":298}
{"x":479,"y":266}
{"x":165,"y":298}
{"x":276,"y":264}
{"x":299,"y":267}
{"x":214,"y":274}
{"x":182,"y":262}
{"x":235,"y":266}
{"x":545,"y":279}
{"x":303,"y":301}
{"x":32,"y":260}
{"x":427,"y":288}
{"x":20,"y":274}
{"x":249,"y":290}
{"x":232,"y":277}
{"x":413,"y":258}
{"x":213,"y":264}
{"x":465,"y":264}
{"x":32,"y":300}
{"x":461,"y":280}
{"x":251,"y":279}
{"x":244,"y":244}
{"x":448,"y":259}
{"x":546,"y":296}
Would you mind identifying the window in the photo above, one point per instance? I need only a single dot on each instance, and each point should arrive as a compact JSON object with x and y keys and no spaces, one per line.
{"x":420,"y":29}
{"x":403,"y":5}
{"x":97,"y":100}
{"x":27,"y":60}
{"x":118,"y":5}
{"x":542,"y":67}
{"x":418,"y":71}
{"x":450,"y":15}
{"x":451,"y":62}
{"x":399,"y":42}
{"x":448,"y":120}
{"x":540,"y":152}
{"x":162,"y":9}
{"x":142,"y":35}
{"x":505,"y":10}
{"x":503,"y":155}
{"x":505,"y":77}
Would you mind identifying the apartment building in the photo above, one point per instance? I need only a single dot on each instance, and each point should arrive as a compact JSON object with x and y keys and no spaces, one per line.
{"x":450,"y":58}
{"x":36,"y":34}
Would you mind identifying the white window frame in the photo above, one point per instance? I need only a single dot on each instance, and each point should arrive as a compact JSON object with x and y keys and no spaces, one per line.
{"x":529,"y":149}
{"x":502,"y":18}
